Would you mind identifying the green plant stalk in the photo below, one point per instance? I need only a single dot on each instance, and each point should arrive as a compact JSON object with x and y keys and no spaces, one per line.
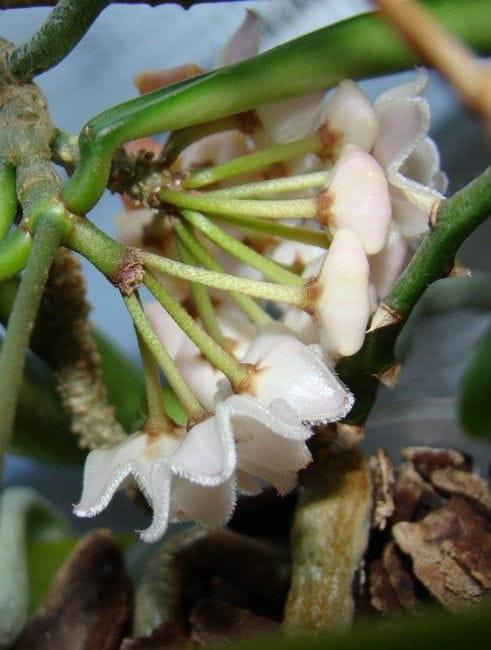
{"x":264,"y":189}
{"x":8,"y":198}
{"x":274,"y":209}
{"x":259,"y":289}
{"x":455,"y":219}
{"x":254,"y":161}
{"x":156,"y":415}
{"x":202,"y":302}
{"x":12,"y":357}
{"x":237,"y":249}
{"x":57,"y":36}
{"x":220,"y":358}
{"x":186,"y":397}
{"x":14,"y":252}
{"x":248,"y":305}
{"x":356,"y":48}
{"x":320,"y":238}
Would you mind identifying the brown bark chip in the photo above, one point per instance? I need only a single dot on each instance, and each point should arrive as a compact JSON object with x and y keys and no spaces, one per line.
{"x":451,"y":553}
{"x":412,"y":494}
{"x":427,"y":459}
{"x":89,"y":604}
{"x":399,"y":577}
{"x":383,"y":598}
{"x":472,"y":487}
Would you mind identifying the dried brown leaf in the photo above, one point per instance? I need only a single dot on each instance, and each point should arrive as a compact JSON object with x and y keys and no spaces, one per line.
{"x":451,"y":552}
{"x":89,"y":604}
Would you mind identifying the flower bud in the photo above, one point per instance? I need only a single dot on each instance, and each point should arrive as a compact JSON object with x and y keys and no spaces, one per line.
{"x":357,"y":198}
{"x":343,"y":302}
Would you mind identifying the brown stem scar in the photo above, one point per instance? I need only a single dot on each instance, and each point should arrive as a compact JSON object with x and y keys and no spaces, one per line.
{"x":129,"y":273}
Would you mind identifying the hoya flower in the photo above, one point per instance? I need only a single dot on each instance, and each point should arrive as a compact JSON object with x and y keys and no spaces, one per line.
{"x":343,"y":305}
{"x":357,"y":197}
{"x":201,"y":376}
{"x":410,"y":158}
{"x":182,"y":474}
{"x":269,"y":443}
{"x":386,"y":266}
{"x":295,"y":254}
{"x":300,"y":375}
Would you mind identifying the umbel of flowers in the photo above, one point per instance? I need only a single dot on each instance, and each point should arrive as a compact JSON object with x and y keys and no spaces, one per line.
{"x":221,"y":249}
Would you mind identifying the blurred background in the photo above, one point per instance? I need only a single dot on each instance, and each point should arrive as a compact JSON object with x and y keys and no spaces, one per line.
{"x":99,"y":73}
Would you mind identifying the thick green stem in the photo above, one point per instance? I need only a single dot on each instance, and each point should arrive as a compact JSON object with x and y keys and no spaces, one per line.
{"x":14,"y":252}
{"x":202,"y":202}
{"x":356,"y":48}
{"x":265,"y":290}
{"x":8,"y":198}
{"x":21,"y":321}
{"x":156,"y":415}
{"x":234,"y":247}
{"x":187,"y":398}
{"x":231,"y":368}
{"x":248,"y":305}
{"x":319,"y":238}
{"x":56,"y":37}
{"x":254,"y":161}
{"x":264,"y":189}
{"x":454,"y":221}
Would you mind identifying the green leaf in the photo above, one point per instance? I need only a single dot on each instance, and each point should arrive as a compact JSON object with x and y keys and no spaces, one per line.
{"x":475,"y":390}
{"x":26,"y":519}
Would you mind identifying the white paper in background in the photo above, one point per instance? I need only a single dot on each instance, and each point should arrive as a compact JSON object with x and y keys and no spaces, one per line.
{"x":99,"y":72}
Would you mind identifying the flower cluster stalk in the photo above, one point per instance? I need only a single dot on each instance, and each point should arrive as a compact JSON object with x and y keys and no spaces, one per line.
{"x":237,"y":249}
{"x":281,"y":185}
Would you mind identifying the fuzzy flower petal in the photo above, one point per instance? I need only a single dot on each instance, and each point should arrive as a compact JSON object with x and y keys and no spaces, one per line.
{"x":411,"y":160}
{"x":209,"y":506}
{"x":204,"y":457}
{"x":343,"y":304}
{"x":386,"y":266}
{"x":287,"y":369}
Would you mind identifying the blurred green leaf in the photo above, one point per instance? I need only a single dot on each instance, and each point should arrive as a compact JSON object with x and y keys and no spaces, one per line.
{"x":475,"y":390}
{"x":432,"y":630}
{"x":26,"y":519}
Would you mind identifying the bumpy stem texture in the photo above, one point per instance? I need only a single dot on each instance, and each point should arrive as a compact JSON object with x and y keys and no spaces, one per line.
{"x":56,"y":38}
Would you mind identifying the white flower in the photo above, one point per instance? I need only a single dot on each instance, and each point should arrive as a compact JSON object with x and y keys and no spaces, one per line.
{"x":343,"y":303}
{"x":299,"y":374}
{"x":270,"y":443}
{"x":386,"y":266}
{"x":201,"y":376}
{"x":410,"y":159}
{"x":183,"y":475}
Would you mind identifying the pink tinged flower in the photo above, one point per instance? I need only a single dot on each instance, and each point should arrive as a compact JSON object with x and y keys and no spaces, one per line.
{"x":357,"y":197}
{"x":244,"y":43}
{"x":343,"y":301}
{"x":269,"y":441}
{"x":200,"y":375}
{"x":386,"y":266}
{"x":410,"y":158}
{"x":348,"y":117}
{"x":183,"y":475}
{"x":292,"y":253}
{"x":213,"y":150}
{"x":299,"y":374}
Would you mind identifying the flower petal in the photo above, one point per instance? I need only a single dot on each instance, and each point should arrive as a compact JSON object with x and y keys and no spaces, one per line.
{"x":158,"y":496}
{"x":209,"y":506}
{"x":244,"y":42}
{"x":358,"y":199}
{"x":348,"y":116}
{"x":284,"y":482}
{"x":207,"y":453}
{"x":288,"y":119}
{"x":104,"y":471}
{"x":168,"y":332}
{"x":386,"y":266}
{"x":343,"y":304}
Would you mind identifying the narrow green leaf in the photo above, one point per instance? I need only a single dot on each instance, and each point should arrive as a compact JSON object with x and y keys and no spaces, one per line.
{"x":475,"y":390}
